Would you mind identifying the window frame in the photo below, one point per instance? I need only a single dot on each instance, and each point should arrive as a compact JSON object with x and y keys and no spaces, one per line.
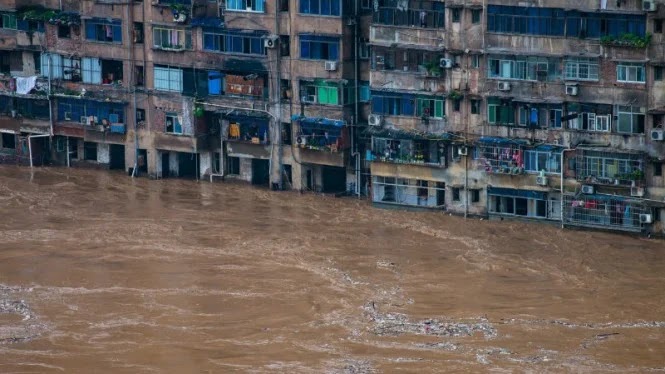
{"x":638,"y":69}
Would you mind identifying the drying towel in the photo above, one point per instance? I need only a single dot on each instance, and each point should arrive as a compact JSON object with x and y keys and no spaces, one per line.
{"x":25,"y":85}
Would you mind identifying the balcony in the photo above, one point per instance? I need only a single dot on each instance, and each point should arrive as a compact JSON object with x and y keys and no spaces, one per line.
{"x":415,"y":38}
{"x":114,"y":133}
{"x":607,"y":168}
{"x":180,"y":143}
{"x":403,"y":148}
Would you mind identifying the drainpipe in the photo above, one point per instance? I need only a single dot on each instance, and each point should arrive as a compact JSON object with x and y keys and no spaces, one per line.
{"x":68,"y":156}
{"x":466,"y":182}
{"x":356,"y":69}
{"x":278,"y":121}
{"x":563,"y":152}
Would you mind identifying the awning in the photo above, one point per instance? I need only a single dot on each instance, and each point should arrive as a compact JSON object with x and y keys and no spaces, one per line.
{"x":317,"y":121}
{"x":549,"y":148}
{"x":495,"y":140}
{"x":405,"y":134}
{"x":247,"y":118}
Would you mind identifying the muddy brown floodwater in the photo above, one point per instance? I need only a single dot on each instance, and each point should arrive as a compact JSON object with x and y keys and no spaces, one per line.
{"x":100,"y":273}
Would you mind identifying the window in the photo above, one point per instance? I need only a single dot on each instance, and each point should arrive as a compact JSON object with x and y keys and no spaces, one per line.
{"x":475,"y":196}
{"x":140,"y":115}
{"x":630,"y":119}
{"x":393,"y":104}
{"x":475,"y":106}
{"x":456,"y":14}
{"x":426,"y":107}
{"x":167,"y":79}
{"x":286,"y":133}
{"x":658,"y":26}
{"x":139,"y":76}
{"x":560,"y":22}
{"x":321,"y":7}
{"x":581,"y":68}
{"x":64,"y":32}
{"x":233,"y":165}
{"x":285,"y":45}
{"x":456,"y":194}
{"x":313,"y":47}
{"x":90,"y":151}
{"x":71,"y":69}
{"x":173,"y":125}
{"x":475,"y":16}
{"x":138,"y":32}
{"x":320,"y":92}
{"x":8,"y":21}
{"x":424,"y":14}
{"x":102,"y":30}
{"x":166,"y":38}
{"x":630,"y":72}
{"x":538,"y":160}
{"x":658,"y":73}
{"x":284,"y":5}
{"x":51,"y":65}
{"x":555,"y":118}
{"x":235,"y":41}
{"x":363,"y":50}
{"x":8,"y":141}
{"x":475,"y":61}
{"x":457,"y":103}
{"x":246,"y":5}
{"x":500,"y":112}
{"x":364,"y":91}
{"x":522,"y":67}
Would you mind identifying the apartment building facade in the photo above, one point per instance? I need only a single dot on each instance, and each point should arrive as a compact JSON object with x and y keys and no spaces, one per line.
{"x":548,"y":111}
{"x":255,"y":90}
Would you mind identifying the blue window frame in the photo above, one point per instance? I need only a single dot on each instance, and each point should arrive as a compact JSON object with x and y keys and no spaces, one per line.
{"x":393,"y":104}
{"x":321,"y":7}
{"x":560,"y":22}
{"x":103,"y":30}
{"x":315,"y":47}
{"x":246,"y":5}
{"x":73,"y":110}
{"x":234,"y":41}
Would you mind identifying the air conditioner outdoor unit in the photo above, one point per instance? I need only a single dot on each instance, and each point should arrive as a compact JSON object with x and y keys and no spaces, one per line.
{"x":646,"y":218}
{"x":541,"y":181}
{"x":331,"y":65}
{"x":270,"y":41}
{"x":446,"y":63}
{"x":587,"y":189}
{"x":179,"y":17}
{"x":637,"y":191}
{"x":658,"y":135}
{"x":84,"y":120}
{"x":462,"y":151}
{"x":374,"y":120}
{"x":571,"y":90}
{"x":503,"y":86}
{"x":649,"y":6}
{"x":301,"y":140}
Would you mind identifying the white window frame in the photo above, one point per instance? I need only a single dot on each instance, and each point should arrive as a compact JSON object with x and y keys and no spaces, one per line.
{"x":91,"y":70}
{"x":574,"y":68}
{"x":244,"y":7}
{"x":55,"y":65}
{"x":628,"y":69}
{"x":158,"y":41}
{"x":602,"y":123}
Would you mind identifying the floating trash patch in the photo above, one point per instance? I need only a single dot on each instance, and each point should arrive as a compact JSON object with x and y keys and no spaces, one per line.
{"x":22,"y":328}
{"x":393,"y":324}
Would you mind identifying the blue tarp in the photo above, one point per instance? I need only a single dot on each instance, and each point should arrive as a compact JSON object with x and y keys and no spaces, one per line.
{"x":495,"y":140}
{"x":317,"y":121}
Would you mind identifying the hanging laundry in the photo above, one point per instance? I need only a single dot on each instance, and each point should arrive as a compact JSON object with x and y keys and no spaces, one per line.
{"x":403,"y":5}
{"x":109,"y":31}
{"x":25,"y":84}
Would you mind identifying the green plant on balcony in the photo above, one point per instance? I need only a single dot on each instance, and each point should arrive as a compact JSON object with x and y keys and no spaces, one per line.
{"x":636,"y":175}
{"x":178,"y":9}
{"x":455,"y":95}
{"x":198,"y":111}
{"x":433,"y":68}
{"x":627,"y":40}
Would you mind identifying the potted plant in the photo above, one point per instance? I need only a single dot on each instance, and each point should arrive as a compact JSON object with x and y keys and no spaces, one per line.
{"x":433,"y":68}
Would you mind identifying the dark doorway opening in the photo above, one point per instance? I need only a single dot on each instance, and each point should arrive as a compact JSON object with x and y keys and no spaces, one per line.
{"x":260,"y":172}
{"x":117,"y":157}
{"x":188,"y":165}
{"x":165,"y":165}
{"x":334,"y":179}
